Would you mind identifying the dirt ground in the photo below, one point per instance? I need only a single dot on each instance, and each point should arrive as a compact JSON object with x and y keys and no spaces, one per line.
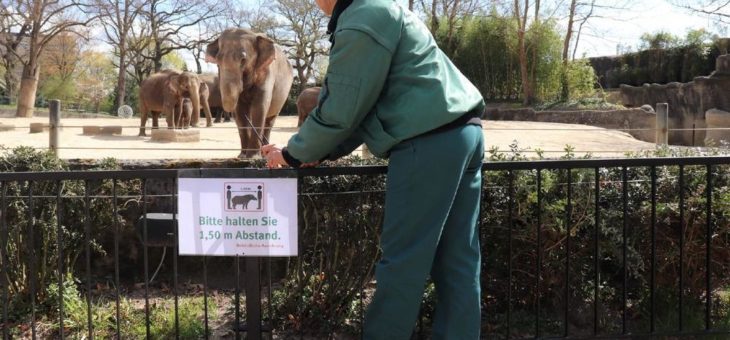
{"x":221,"y":141}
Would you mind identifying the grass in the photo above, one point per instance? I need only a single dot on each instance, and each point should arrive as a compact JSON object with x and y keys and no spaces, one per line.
{"x":132,"y":323}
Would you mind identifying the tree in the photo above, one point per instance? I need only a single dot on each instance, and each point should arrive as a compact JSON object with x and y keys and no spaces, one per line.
{"x":303,"y":35}
{"x":119,"y":17}
{"x":521,"y":15}
{"x":13,"y":44}
{"x":42,"y":21}
{"x":169,"y":24}
{"x":658,"y":40}
{"x":450,"y":12}
{"x":58,"y":64}
{"x":95,"y":77}
{"x":718,"y":10}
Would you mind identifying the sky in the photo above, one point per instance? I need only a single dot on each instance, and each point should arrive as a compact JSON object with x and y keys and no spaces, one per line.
{"x":604,"y":35}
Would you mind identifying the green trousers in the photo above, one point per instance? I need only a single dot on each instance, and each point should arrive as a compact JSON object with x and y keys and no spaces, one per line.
{"x":432,"y":200}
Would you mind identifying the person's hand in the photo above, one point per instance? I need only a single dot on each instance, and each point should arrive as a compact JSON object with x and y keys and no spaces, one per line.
{"x":310,"y":164}
{"x":274,"y":157}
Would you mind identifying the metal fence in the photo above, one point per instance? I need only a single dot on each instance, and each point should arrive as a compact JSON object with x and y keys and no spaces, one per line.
{"x":563,"y":255}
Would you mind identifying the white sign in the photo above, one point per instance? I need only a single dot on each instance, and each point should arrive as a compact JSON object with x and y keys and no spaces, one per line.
{"x":237,"y":216}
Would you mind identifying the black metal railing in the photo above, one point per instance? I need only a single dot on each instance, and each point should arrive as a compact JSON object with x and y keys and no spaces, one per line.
{"x":608,"y":248}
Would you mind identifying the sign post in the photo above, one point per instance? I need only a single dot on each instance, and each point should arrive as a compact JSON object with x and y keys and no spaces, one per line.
{"x":232,"y":216}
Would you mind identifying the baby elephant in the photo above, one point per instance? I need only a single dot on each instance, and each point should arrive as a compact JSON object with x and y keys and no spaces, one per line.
{"x":242,"y":201}
{"x":306,"y":102}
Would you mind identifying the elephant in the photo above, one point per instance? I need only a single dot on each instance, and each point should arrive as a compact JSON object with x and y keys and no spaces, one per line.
{"x":242,"y":201}
{"x":214,"y":98}
{"x":204,"y":105}
{"x":306,"y":102}
{"x":163,"y":92}
{"x":185,"y":113}
{"x":255,"y":79}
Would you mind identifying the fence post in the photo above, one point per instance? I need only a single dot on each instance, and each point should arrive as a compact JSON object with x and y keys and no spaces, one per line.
{"x":662,"y":123}
{"x":54,"y":121}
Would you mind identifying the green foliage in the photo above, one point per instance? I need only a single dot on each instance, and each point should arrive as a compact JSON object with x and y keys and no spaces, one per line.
{"x":35,"y":223}
{"x":58,"y":88}
{"x":486,"y":52}
{"x":658,"y":40}
{"x":693,"y":57}
{"x":581,"y":79}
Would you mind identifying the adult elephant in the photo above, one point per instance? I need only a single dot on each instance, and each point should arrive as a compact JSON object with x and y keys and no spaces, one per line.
{"x":306,"y":102}
{"x":163,"y":92}
{"x":214,"y":98}
{"x":255,"y":78}
{"x":204,"y":105}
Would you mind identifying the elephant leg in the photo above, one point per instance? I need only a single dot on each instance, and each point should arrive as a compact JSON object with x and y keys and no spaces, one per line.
{"x":268,"y":126}
{"x":143,"y":122}
{"x":226,"y":116}
{"x":208,"y":114}
{"x":218,"y":117}
{"x":155,"y":120}
{"x":243,"y":133}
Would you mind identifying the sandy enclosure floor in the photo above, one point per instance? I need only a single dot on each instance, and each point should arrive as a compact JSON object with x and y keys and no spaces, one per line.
{"x":221,"y":141}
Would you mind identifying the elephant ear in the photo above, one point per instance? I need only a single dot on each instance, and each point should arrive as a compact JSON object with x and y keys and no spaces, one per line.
{"x":173,"y":84}
{"x":266,"y":53}
{"x":211,"y":52}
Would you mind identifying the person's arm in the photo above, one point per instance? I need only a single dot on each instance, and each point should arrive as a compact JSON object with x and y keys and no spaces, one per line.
{"x":355,"y":77}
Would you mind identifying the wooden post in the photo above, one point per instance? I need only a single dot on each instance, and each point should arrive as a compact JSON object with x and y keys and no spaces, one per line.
{"x":662,"y":123}
{"x":54,"y":122}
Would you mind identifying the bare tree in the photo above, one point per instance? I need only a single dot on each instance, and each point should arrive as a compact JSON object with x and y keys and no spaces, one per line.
{"x":451,"y":13}
{"x":118,"y":17}
{"x":13,"y":32}
{"x":520,"y":13}
{"x":62,"y":55}
{"x":44,"y":19}
{"x":718,"y":10}
{"x":170,"y":24}
{"x":302,"y":33}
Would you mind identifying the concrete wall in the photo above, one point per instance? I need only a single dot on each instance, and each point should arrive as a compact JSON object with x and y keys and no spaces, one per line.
{"x":614,"y":119}
{"x":688,"y":102}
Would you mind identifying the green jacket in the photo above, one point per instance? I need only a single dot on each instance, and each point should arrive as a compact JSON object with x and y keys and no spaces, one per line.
{"x":387,"y":81}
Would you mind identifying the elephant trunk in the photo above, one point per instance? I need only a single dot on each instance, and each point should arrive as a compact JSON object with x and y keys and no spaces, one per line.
{"x":230,"y":87}
{"x":195,"y":98}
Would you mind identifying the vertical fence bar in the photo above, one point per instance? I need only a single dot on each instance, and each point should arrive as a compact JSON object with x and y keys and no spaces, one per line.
{"x":237,"y":302}
{"x":625,"y":199}
{"x":652,"y":297}
{"x":33,"y":272}
{"x":174,"y":258}
{"x":205,"y":296}
{"x":116,"y":256}
{"x":662,"y":123}
{"x":270,"y":295}
{"x":87,"y":232}
{"x":539,"y":253}
{"x":59,"y":246}
{"x":253,"y":298}
{"x":566,"y":291}
{"x":510,"y":208}
{"x":3,"y":256}
{"x":54,"y":122}
{"x":596,"y":251}
{"x":681,"y":248}
{"x":708,"y":251}
{"x":145,"y":256}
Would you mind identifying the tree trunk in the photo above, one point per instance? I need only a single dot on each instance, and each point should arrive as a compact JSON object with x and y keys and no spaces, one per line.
{"x":565,"y":89}
{"x":121,"y":78}
{"x":410,"y":5}
{"x":28,"y":88}
{"x":11,"y":81}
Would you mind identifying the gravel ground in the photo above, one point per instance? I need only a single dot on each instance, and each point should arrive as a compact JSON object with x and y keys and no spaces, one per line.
{"x":221,"y":141}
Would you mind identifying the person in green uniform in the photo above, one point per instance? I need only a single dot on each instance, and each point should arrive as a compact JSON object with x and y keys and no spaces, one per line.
{"x":388,"y":85}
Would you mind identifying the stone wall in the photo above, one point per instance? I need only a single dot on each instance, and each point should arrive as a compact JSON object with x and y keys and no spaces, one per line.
{"x":688,"y":102}
{"x":614,"y":119}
